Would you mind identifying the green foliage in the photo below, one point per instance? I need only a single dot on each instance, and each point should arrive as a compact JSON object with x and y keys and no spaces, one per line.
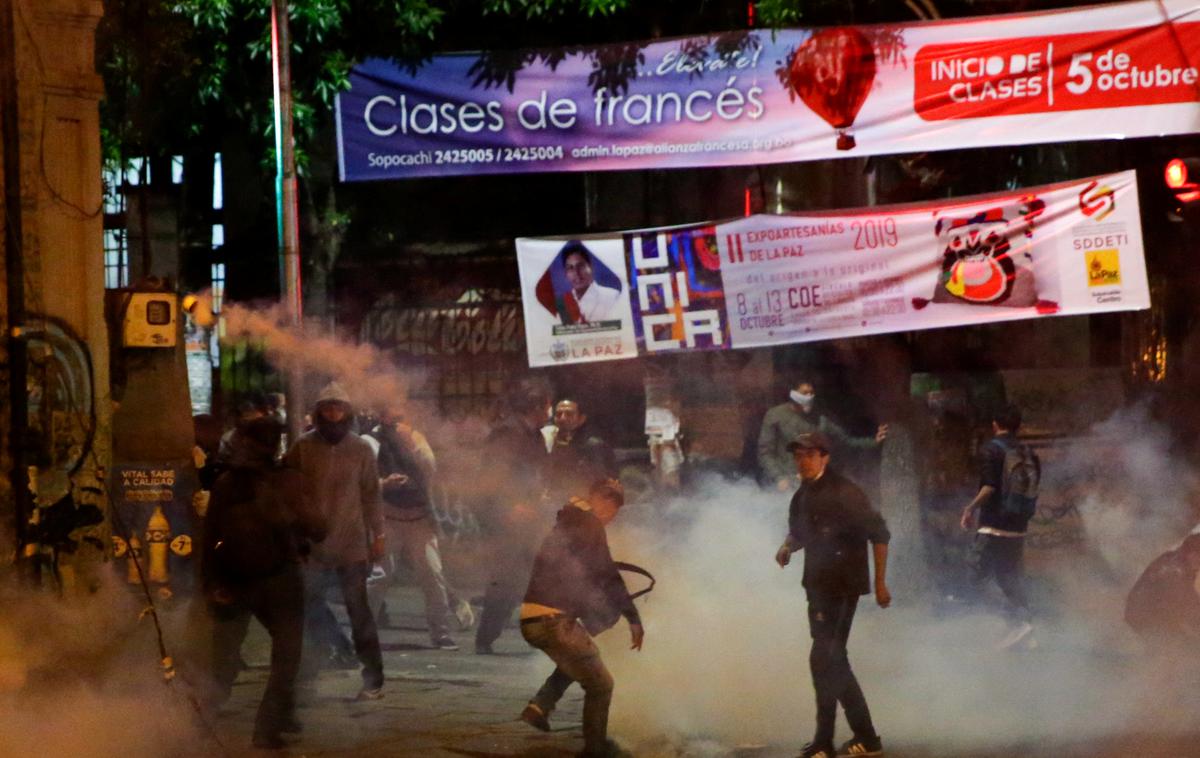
{"x":775,"y":14}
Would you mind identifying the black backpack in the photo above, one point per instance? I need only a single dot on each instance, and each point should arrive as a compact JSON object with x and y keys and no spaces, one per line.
{"x":606,"y":615}
{"x":251,"y":543}
{"x":1020,"y":480}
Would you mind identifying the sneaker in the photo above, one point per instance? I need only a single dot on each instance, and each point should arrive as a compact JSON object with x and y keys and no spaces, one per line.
{"x":857,"y":747}
{"x":1015,"y":635}
{"x":369,"y":693}
{"x":443,"y":642}
{"x":812,"y":750}
{"x":535,"y":717}
{"x":464,"y":614}
{"x":341,"y":660}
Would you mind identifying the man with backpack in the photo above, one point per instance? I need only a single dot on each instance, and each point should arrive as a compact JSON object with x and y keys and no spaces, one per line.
{"x":256,"y":528}
{"x":1010,"y":473}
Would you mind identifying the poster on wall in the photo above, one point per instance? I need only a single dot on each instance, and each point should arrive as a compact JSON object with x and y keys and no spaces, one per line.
{"x":759,"y":96}
{"x":1057,"y":250}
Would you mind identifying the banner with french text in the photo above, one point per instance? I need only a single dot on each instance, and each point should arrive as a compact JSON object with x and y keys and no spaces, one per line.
{"x":1057,"y":250}
{"x":753,"y":97}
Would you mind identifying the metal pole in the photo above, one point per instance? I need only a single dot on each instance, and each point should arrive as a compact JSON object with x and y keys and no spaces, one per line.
{"x":286,"y":202}
{"x":14,"y":264}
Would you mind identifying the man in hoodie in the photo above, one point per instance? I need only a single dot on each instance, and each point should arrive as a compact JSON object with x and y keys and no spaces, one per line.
{"x":788,"y":421}
{"x":832,"y":521}
{"x":256,"y":528}
{"x":574,"y":581}
{"x":340,"y":475}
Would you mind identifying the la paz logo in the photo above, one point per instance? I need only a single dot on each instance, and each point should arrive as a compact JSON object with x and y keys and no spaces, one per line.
{"x":559,"y":351}
{"x":1103,"y":268}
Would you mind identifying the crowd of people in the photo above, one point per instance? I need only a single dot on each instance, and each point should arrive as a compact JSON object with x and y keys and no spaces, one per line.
{"x":341,"y":509}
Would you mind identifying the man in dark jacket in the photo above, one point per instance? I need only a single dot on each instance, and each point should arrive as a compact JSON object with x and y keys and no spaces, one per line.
{"x":512,"y":480}
{"x":832,"y":521}
{"x":577,"y":456}
{"x":575,"y":582}
{"x":1163,"y":607}
{"x":1000,"y":537}
{"x":257,"y":523}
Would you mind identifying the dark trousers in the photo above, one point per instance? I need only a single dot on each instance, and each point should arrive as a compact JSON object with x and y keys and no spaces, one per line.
{"x":829,"y":620}
{"x":278,"y":604}
{"x":576,"y":658}
{"x":352,"y":580}
{"x":506,"y":589}
{"x":552,"y":690}
{"x":1004,"y":559}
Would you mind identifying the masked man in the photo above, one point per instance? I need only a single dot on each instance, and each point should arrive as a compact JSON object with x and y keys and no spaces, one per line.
{"x":788,"y":421}
{"x":341,"y":476}
{"x":831,"y":520}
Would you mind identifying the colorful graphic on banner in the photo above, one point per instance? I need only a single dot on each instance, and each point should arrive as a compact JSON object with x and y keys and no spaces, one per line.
{"x":675,"y":286}
{"x":1064,"y":249}
{"x":753,"y":97}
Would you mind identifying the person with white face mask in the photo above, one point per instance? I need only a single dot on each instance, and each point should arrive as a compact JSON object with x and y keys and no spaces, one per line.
{"x":786,"y":422}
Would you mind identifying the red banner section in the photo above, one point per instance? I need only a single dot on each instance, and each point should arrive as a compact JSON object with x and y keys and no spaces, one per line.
{"x":1064,"y":72}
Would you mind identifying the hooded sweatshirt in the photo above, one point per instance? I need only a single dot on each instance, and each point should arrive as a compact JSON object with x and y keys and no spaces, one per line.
{"x":574,"y":570}
{"x":343,"y":482}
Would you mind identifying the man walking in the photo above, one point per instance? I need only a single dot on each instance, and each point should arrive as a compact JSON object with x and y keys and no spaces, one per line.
{"x":341,"y":477}
{"x":575,"y":588}
{"x":513,"y":467}
{"x":256,"y":524}
{"x":406,"y":467}
{"x":786,"y":422}
{"x":1008,"y":480}
{"x":831,"y":519}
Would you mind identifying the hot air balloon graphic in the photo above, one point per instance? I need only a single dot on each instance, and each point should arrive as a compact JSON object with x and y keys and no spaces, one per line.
{"x":832,"y":73}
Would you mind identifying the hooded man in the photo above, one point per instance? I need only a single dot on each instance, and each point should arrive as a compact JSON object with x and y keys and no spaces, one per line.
{"x":340,"y":475}
{"x":788,"y":421}
{"x":576,"y":582}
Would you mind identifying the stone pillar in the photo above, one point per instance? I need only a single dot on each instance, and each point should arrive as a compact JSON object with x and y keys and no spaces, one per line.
{"x":61,"y":220}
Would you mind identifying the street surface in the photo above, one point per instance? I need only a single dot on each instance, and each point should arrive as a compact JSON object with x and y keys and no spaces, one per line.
{"x":442,"y":704}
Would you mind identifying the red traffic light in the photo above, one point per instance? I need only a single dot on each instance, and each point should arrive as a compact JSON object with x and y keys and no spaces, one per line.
{"x":1176,"y":174}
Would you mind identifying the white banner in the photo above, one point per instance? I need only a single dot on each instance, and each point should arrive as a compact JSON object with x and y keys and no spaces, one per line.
{"x":1057,"y":250}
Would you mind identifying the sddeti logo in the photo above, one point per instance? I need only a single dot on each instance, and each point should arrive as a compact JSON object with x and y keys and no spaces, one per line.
{"x":1103,"y":268}
{"x":1097,"y":201}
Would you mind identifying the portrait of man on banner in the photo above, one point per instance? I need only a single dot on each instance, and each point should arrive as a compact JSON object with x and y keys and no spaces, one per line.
{"x":578,"y":287}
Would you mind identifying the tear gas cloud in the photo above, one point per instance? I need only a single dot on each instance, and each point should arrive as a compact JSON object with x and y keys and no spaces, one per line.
{"x":362,"y":369}
{"x":725,"y":660}
{"x":82,"y":678}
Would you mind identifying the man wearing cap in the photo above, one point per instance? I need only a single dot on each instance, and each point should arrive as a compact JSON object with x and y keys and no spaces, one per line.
{"x":340,"y":475}
{"x":831,"y":519}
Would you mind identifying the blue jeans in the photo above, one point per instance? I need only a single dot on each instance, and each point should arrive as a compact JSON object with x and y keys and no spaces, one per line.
{"x":352,"y":579}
